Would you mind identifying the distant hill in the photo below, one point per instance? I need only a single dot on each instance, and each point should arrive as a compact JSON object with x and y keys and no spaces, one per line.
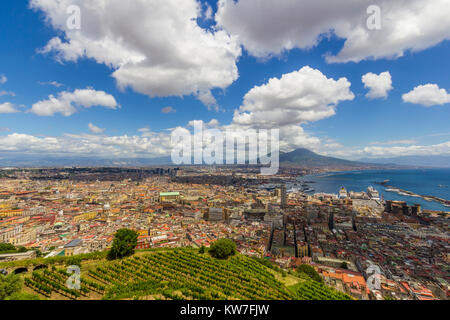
{"x":307,"y":158}
{"x":419,"y":161}
{"x":299,"y":157}
{"x":32,"y":162}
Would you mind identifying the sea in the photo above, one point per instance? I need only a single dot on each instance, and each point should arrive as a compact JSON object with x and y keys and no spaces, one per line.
{"x":427,"y":182}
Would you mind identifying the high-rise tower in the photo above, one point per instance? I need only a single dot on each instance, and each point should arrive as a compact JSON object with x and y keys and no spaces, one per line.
{"x":283,"y":195}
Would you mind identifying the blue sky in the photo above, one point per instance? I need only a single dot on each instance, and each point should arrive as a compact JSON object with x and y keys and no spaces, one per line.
{"x":357,"y":123}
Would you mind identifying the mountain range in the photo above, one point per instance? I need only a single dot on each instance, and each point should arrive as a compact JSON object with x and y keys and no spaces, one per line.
{"x":419,"y":161}
{"x":307,"y":158}
{"x":299,"y":158}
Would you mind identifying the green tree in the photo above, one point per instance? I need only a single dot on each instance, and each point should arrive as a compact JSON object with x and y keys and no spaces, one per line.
{"x":223,"y":248}
{"x":344,"y":265}
{"x":4,"y":247}
{"x":9,"y":285}
{"x":202,"y":250}
{"x":73,"y":261}
{"x":310,"y":272}
{"x":38,"y":253}
{"x":124,"y":243}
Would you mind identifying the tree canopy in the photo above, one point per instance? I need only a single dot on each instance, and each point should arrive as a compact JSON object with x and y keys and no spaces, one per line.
{"x":310,"y":272}
{"x":74,"y":261}
{"x":6,"y":247}
{"x":223,"y":248}
{"x":9,"y":285}
{"x":124,"y":243}
{"x":9,"y":248}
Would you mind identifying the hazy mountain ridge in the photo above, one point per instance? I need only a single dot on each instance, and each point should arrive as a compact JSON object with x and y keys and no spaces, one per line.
{"x":420,"y":161}
{"x":308,"y":158}
{"x":300,"y":157}
{"x":82,"y":161}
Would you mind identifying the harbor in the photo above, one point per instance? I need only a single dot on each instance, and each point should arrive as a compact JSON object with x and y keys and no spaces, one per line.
{"x":444,"y":202}
{"x":429,"y":187}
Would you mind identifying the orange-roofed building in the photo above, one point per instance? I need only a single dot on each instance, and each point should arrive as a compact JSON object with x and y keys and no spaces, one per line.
{"x":426,"y":298}
{"x":354,"y":283}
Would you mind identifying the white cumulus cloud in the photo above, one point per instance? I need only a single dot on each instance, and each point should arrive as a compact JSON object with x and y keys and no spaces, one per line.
{"x":7,"y":108}
{"x":155,"y":47}
{"x":95,"y":129}
{"x":152,"y":145}
{"x":427,"y":95}
{"x":267,"y":27}
{"x":168,"y":109}
{"x":378,"y":85}
{"x":7,"y":93}
{"x":416,"y":150}
{"x":66,"y":103}
{"x":297,"y":97}
{"x":286,"y":103}
{"x":50,"y":83}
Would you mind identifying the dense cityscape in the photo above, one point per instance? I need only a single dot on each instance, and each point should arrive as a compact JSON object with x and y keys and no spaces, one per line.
{"x":342,"y":236}
{"x":224,"y":159}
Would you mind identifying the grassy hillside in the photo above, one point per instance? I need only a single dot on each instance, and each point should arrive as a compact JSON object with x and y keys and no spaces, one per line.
{"x":179,"y":274}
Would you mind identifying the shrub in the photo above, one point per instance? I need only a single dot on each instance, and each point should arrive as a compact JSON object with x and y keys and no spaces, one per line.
{"x":9,"y":285}
{"x":74,"y":261}
{"x":223,"y":248}
{"x":310,"y":272}
{"x":6,"y":247}
{"x":124,"y":243}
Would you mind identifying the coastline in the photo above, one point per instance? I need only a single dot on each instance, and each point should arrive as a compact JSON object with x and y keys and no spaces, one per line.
{"x":425,"y":185}
{"x":444,"y":202}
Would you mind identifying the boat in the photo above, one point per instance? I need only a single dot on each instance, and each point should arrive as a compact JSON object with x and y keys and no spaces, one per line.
{"x":268,"y":186}
{"x":343,"y":194}
{"x":373,"y":193}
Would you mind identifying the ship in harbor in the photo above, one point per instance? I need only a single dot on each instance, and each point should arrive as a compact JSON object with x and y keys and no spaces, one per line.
{"x":308,"y":190}
{"x":343,"y":194}
{"x":373,"y":193}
